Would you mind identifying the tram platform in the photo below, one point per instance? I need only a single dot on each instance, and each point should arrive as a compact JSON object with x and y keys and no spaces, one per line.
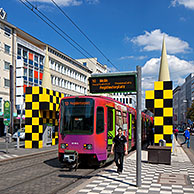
{"x":14,"y":152}
{"x":156,"y":178}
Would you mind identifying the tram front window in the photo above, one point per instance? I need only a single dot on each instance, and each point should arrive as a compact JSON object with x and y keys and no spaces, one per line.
{"x":77,"y":116}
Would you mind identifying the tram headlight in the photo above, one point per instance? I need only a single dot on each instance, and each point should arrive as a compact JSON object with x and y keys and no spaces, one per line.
{"x":88,"y":146}
{"x":64,"y":145}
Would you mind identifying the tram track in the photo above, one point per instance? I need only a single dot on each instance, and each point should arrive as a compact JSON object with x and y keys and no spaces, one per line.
{"x":17,"y":160}
{"x":27,"y":156}
{"x":41,"y":174}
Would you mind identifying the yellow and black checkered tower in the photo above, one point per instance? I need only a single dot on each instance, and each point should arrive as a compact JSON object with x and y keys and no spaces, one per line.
{"x":160,"y":102}
{"x":41,"y":107}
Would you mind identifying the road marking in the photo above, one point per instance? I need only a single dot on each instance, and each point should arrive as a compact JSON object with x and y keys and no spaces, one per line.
{"x":6,"y":156}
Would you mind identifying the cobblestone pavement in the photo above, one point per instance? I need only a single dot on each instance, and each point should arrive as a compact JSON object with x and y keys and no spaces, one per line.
{"x":156,"y":178}
{"x":37,"y":174}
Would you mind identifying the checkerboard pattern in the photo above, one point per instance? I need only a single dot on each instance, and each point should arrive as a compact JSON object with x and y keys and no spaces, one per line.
{"x":160,"y":101}
{"x":109,"y":181}
{"x":41,"y":107}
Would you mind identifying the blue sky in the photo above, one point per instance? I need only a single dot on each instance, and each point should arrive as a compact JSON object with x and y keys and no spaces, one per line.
{"x":129,"y":32}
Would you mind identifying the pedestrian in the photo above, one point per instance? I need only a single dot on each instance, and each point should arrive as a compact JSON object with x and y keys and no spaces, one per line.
{"x":119,"y":148}
{"x":176,"y":133}
{"x":187,"y":137}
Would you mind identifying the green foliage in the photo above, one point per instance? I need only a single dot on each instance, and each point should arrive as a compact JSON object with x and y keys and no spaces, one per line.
{"x":190,"y":112}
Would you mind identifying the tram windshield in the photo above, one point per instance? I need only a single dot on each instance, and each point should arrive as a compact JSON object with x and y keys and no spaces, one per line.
{"x":77,"y":116}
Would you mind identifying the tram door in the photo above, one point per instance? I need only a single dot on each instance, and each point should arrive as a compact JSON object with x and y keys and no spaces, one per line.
{"x":110,"y":127}
{"x":129,"y":130}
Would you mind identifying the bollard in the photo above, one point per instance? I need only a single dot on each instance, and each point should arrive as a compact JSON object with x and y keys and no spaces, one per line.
{"x":162,"y":142}
{"x":18,"y":140}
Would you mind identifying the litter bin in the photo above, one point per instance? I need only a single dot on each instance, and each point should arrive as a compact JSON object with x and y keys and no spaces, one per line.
{"x":159,"y":154}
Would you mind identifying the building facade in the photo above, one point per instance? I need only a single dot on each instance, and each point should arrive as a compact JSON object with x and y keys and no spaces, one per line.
{"x":7,"y":58}
{"x":35,"y":64}
{"x":183,"y":97}
{"x":125,"y":98}
{"x":94,"y":65}
{"x":67,"y":75}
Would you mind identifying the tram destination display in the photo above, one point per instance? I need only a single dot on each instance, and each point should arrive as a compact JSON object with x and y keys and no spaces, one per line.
{"x":115,"y":83}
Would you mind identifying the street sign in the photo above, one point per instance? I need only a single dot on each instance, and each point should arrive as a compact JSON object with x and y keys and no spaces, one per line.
{"x":114,"y":82}
{"x":6,"y":113}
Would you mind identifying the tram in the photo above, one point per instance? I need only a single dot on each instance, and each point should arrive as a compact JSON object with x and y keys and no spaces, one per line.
{"x":88,"y":124}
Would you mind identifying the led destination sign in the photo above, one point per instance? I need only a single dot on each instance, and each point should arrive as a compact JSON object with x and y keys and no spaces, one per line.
{"x":117,"y":83}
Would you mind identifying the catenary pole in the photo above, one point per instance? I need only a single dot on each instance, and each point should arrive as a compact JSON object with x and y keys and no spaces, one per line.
{"x":11,"y":98}
{"x":12,"y":84}
{"x":138,"y":131}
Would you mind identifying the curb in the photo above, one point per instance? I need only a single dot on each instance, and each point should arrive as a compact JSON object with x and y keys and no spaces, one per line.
{"x":27,"y":155}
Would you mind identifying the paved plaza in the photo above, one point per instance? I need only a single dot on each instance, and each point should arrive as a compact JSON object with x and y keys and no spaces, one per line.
{"x":156,"y":178}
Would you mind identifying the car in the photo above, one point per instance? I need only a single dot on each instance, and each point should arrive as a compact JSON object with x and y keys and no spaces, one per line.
{"x":21,"y":134}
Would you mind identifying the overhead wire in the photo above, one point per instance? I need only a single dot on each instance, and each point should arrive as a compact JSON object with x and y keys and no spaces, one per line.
{"x":32,"y":9}
{"x":81,"y":31}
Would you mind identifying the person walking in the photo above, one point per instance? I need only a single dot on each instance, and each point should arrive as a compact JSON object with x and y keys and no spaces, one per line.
{"x":187,"y":137}
{"x":119,"y":148}
{"x":176,"y":133}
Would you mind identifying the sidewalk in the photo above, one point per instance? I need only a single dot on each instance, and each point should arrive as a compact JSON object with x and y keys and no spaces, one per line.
{"x":156,"y":178}
{"x":22,"y":152}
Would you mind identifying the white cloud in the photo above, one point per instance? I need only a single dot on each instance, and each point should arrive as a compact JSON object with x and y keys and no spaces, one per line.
{"x":132,"y":57}
{"x":182,"y":19}
{"x":151,"y":41}
{"x":178,"y":68}
{"x":187,"y":3}
{"x":92,"y":1}
{"x":64,"y":3}
{"x":126,"y":57}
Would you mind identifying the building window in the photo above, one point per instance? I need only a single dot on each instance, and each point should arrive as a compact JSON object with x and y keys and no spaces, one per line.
{"x":30,"y":73}
{"x":1,"y":105}
{"x":25,"y":72}
{"x":19,"y":51}
{"x":41,"y":60}
{"x":127,"y":101}
{"x":7,"y":49}
{"x":84,"y":64}
{"x":100,"y":120}
{"x":36,"y":59}
{"x":6,"y":65}
{"x":7,"y":31}
{"x":25,"y":54}
{"x":6,"y":83}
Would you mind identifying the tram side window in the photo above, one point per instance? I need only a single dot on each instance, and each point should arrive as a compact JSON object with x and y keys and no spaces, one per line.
{"x":125,"y":122}
{"x":124,"y":117}
{"x":119,"y":121}
{"x":110,"y":119}
{"x":100,"y":120}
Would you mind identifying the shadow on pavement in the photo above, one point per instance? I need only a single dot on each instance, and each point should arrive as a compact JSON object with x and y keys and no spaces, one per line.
{"x":53,"y":163}
{"x":114,"y":179}
{"x":74,"y":176}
